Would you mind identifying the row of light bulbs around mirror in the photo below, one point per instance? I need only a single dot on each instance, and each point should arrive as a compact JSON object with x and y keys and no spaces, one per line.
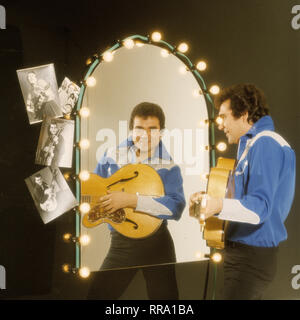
{"x":84,"y":112}
{"x":156,"y":36}
{"x":84,"y":272}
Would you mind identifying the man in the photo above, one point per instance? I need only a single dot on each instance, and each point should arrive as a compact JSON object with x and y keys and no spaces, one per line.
{"x":264,"y":181}
{"x":54,"y":147}
{"x":144,"y":146}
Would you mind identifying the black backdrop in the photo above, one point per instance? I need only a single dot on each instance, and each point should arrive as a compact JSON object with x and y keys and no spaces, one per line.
{"x":243,"y":41}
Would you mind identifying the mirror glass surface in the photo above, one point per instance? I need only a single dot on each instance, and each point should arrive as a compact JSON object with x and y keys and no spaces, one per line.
{"x":134,"y":76}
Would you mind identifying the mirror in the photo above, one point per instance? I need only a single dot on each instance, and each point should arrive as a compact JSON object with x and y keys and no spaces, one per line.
{"x":144,"y":73}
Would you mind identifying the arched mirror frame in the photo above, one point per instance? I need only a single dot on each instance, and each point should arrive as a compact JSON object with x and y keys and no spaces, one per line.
{"x":92,"y":64}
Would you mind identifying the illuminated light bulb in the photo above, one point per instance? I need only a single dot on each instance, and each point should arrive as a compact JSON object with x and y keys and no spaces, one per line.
{"x":216,"y":257}
{"x":84,"y":207}
{"x":88,"y":61}
{"x":183,"y":47}
{"x":202,"y":217}
{"x":67,"y":236}
{"x":84,"y":175}
{"x":201,"y":65}
{"x":67,"y":116}
{"x":222,"y":146}
{"x":66,"y":268}
{"x":156,"y":36}
{"x":204,"y":176}
{"x":67,"y":176}
{"x":214,"y":89}
{"x":84,"y":112}
{"x":84,"y":239}
{"x":128,"y":43}
{"x":199,"y":255}
{"x":183,"y":70}
{"x":139,"y":44}
{"x":84,"y":272}
{"x":219,"y":120}
{"x":197,"y":93}
{"x":108,"y":56}
{"x":91,"y":81}
{"x":164,"y":53}
{"x":84,"y":144}
{"x":203,"y":123}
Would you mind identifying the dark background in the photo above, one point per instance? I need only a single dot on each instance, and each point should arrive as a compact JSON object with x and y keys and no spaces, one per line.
{"x":242,"y":41}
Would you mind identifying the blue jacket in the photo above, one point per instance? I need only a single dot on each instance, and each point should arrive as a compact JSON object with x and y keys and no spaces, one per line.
{"x":174,"y":200}
{"x":264,"y":186}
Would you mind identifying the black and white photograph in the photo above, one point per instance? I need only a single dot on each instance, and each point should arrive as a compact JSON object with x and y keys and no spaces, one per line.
{"x":55,"y":145}
{"x":68,"y":94}
{"x":40,"y":92}
{"x":51,"y":193}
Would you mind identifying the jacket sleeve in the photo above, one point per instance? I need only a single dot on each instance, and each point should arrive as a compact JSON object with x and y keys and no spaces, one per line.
{"x":172,"y":204}
{"x":265,"y":163}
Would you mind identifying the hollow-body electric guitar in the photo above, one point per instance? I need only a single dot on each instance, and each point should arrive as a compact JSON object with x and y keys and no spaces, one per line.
{"x":132,"y":178}
{"x":214,"y":228}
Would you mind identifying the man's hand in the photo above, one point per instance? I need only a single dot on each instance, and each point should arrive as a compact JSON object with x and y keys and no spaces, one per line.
{"x":209,"y":205}
{"x":116,"y":200}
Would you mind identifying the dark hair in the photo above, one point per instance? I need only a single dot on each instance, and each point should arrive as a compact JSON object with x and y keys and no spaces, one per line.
{"x":145,"y":110}
{"x":244,"y":98}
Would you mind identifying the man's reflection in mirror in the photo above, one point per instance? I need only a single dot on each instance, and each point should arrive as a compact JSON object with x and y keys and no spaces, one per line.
{"x":144,"y":145}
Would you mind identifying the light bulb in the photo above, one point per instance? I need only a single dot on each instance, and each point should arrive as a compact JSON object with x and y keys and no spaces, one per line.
{"x":84,"y":239}
{"x":66,"y":268}
{"x":84,"y":112}
{"x":84,"y":175}
{"x":108,"y":56}
{"x":199,"y":255}
{"x":84,"y":272}
{"x":139,"y":44}
{"x":197,"y":93}
{"x":203,"y":123}
{"x":164,"y":53}
{"x":216,"y":257}
{"x":219,"y":120}
{"x":214,"y":89}
{"x":84,"y":144}
{"x":204,"y":176}
{"x":84,"y":207}
{"x":91,"y":81}
{"x":128,"y":43}
{"x":67,"y":236}
{"x":201,"y":65}
{"x":221,"y":146}
{"x":183,"y":70}
{"x":183,"y":47}
{"x":156,"y":36}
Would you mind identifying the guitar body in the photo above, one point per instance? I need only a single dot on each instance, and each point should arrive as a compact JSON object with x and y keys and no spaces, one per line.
{"x":214,"y":230}
{"x":132,"y":178}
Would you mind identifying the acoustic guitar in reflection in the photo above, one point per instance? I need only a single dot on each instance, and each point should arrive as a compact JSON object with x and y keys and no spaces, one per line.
{"x":214,"y":228}
{"x":132,"y":178}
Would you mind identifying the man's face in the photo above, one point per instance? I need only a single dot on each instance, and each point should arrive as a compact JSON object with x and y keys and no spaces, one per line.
{"x":31,"y":78}
{"x":233,"y":127}
{"x":146,"y":133}
{"x":53,"y":129}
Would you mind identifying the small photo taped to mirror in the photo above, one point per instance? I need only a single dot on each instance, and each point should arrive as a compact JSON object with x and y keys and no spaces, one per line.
{"x":40,"y":92}
{"x":68,"y":94}
{"x":51,"y":193}
{"x":55,"y":145}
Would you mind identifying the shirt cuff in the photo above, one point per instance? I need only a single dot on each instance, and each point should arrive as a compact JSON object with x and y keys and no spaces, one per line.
{"x":148,"y":205}
{"x":233,"y":210}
